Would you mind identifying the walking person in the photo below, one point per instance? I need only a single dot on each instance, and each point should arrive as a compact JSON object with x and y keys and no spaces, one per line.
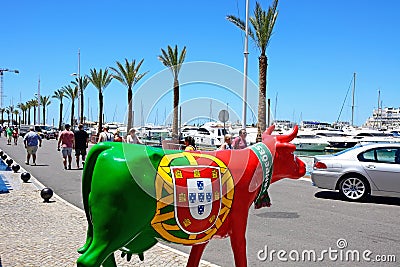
{"x":67,"y":140}
{"x":105,"y":136}
{"x":15,"y":135}
{"x":190,"y":144}
{"x":117,"y":136}
{"x":81,"y":144}
{"x":9,"y":135}
{"x":240,"y":141}
{"x":31,"y":142}
{"x":132,"y":138}
{"x":227,"y":143}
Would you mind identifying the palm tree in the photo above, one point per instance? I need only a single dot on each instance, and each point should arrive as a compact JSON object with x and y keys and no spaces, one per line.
{"x":100,"y":79}
{"x":128,"y":75}
{"x":44,"y":102}
{"x":81,"y":83}
{"x":28,"y":108}
{"x":34,"y":103}
{"x":16,"y":113}
{"x":71,"y":93}
{"x":174,"y":62}
{"x":23,"y":109}
{"x":10,"y":111}
{"x":59,"y":95}
{"x":263,"y":24}
{"x":2,"y":110}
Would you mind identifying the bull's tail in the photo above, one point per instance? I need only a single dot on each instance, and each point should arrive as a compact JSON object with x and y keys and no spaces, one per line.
{"x":86,"y":188}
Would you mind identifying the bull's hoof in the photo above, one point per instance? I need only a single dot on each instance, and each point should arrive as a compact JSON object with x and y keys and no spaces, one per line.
{"x":141,"y":256}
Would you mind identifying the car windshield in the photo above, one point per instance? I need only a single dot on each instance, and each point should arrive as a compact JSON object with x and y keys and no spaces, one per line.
{"x":44,"y":127}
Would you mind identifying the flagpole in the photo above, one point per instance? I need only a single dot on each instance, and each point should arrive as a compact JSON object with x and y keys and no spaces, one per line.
{"x":246,"y":54}
{"x":38,"y":95}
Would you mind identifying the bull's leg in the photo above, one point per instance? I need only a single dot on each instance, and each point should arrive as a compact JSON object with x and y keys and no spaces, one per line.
{"x":89,"y":239}
{"x":95,"y":256}
{"x":110,"y":261}
{"x":110,"y":233}
{"x":195,"y":255}
{"x":238,"y":241}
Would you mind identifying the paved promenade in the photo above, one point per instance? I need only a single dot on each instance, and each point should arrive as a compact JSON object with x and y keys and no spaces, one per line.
{"x":34,"y":233}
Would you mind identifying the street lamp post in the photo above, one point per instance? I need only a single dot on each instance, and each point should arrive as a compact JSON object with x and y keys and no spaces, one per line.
{"x":38,"y":99}
{"x":1,"y":83}
{"x":80,"y":91}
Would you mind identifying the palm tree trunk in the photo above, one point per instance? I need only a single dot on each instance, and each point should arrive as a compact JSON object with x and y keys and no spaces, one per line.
{"x":29,"y":115}
{"x":60,"y":121}
{"x":130,"y":121}
{"x":72,"y":113}
{"x":44,"y":115}
{"x":100,"y":114}
{"x":262,"y":93}
{"x":34,"y":115}
{"x":176,"y":106}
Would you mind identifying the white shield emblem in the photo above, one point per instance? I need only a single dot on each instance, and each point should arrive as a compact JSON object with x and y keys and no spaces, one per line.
{"x":200,"y":197}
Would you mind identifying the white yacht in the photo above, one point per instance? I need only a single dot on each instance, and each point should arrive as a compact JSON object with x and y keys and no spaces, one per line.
{"x":309,"y":141}
{"x":373,"y":136}
{"x":337,"y":139}
{"x":211,"y":134}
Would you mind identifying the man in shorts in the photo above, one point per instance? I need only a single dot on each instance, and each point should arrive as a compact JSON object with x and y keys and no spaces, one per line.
{"x":31,"y":142}
{"x":81,"y":143}
{"x":67,"y":141}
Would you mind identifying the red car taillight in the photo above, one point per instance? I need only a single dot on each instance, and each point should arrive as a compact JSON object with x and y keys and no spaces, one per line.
{"x":320,"y":165}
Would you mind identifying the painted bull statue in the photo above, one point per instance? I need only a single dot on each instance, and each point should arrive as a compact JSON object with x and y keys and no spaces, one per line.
{"x":135,"y":195}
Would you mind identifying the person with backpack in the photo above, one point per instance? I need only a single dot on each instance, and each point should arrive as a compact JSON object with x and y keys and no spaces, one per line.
{"x":105,"y":136}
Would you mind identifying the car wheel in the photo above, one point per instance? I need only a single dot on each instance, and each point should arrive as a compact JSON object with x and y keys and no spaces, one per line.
{"x":354,"y":188}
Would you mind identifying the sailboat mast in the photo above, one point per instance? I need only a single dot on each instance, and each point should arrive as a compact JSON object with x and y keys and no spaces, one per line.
{"x":352,"y":106}
{"x":246,"y":55}
{"x":377,"y":112}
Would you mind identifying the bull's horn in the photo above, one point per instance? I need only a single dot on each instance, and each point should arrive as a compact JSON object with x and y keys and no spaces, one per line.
{"x":270,"y":129}
{"x":286,"y":138}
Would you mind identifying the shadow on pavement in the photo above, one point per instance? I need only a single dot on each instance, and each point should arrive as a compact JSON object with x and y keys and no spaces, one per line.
{"x":333,"y":195}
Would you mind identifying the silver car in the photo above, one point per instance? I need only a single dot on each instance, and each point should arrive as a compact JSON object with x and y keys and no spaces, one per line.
{"x":372,"y":169}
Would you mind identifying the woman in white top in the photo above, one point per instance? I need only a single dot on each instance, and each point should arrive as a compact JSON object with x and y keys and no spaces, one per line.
{"x":227,"y":144}
{"x":131,"y":138}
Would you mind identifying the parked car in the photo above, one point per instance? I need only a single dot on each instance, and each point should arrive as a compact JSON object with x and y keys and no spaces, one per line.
{"x":23,"y":129}
{"x":45,"y":131}
{"x":371,"y":169}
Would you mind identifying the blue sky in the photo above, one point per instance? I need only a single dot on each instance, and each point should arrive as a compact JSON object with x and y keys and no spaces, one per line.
{"x":314,"y":51}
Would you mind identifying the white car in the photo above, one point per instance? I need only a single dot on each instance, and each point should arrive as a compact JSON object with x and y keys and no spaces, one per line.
{"x":372,"y":169}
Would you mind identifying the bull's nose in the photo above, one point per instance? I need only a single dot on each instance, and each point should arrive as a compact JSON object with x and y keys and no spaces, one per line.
{"x":302,"y":167}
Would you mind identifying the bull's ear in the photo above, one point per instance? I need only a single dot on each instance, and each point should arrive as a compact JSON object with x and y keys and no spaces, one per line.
{"x":286,"y":138}
{"x":270,"y":129}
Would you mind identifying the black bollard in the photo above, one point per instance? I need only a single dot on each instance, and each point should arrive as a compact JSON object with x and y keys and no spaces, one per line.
{"x":15,"y":167}
{"x":46,"y":194}
{"x":9,"y":162}
{"x":25,"y":176}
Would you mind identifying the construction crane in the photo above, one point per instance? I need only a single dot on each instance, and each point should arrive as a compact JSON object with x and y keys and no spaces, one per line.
{"x":1,"y":83}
